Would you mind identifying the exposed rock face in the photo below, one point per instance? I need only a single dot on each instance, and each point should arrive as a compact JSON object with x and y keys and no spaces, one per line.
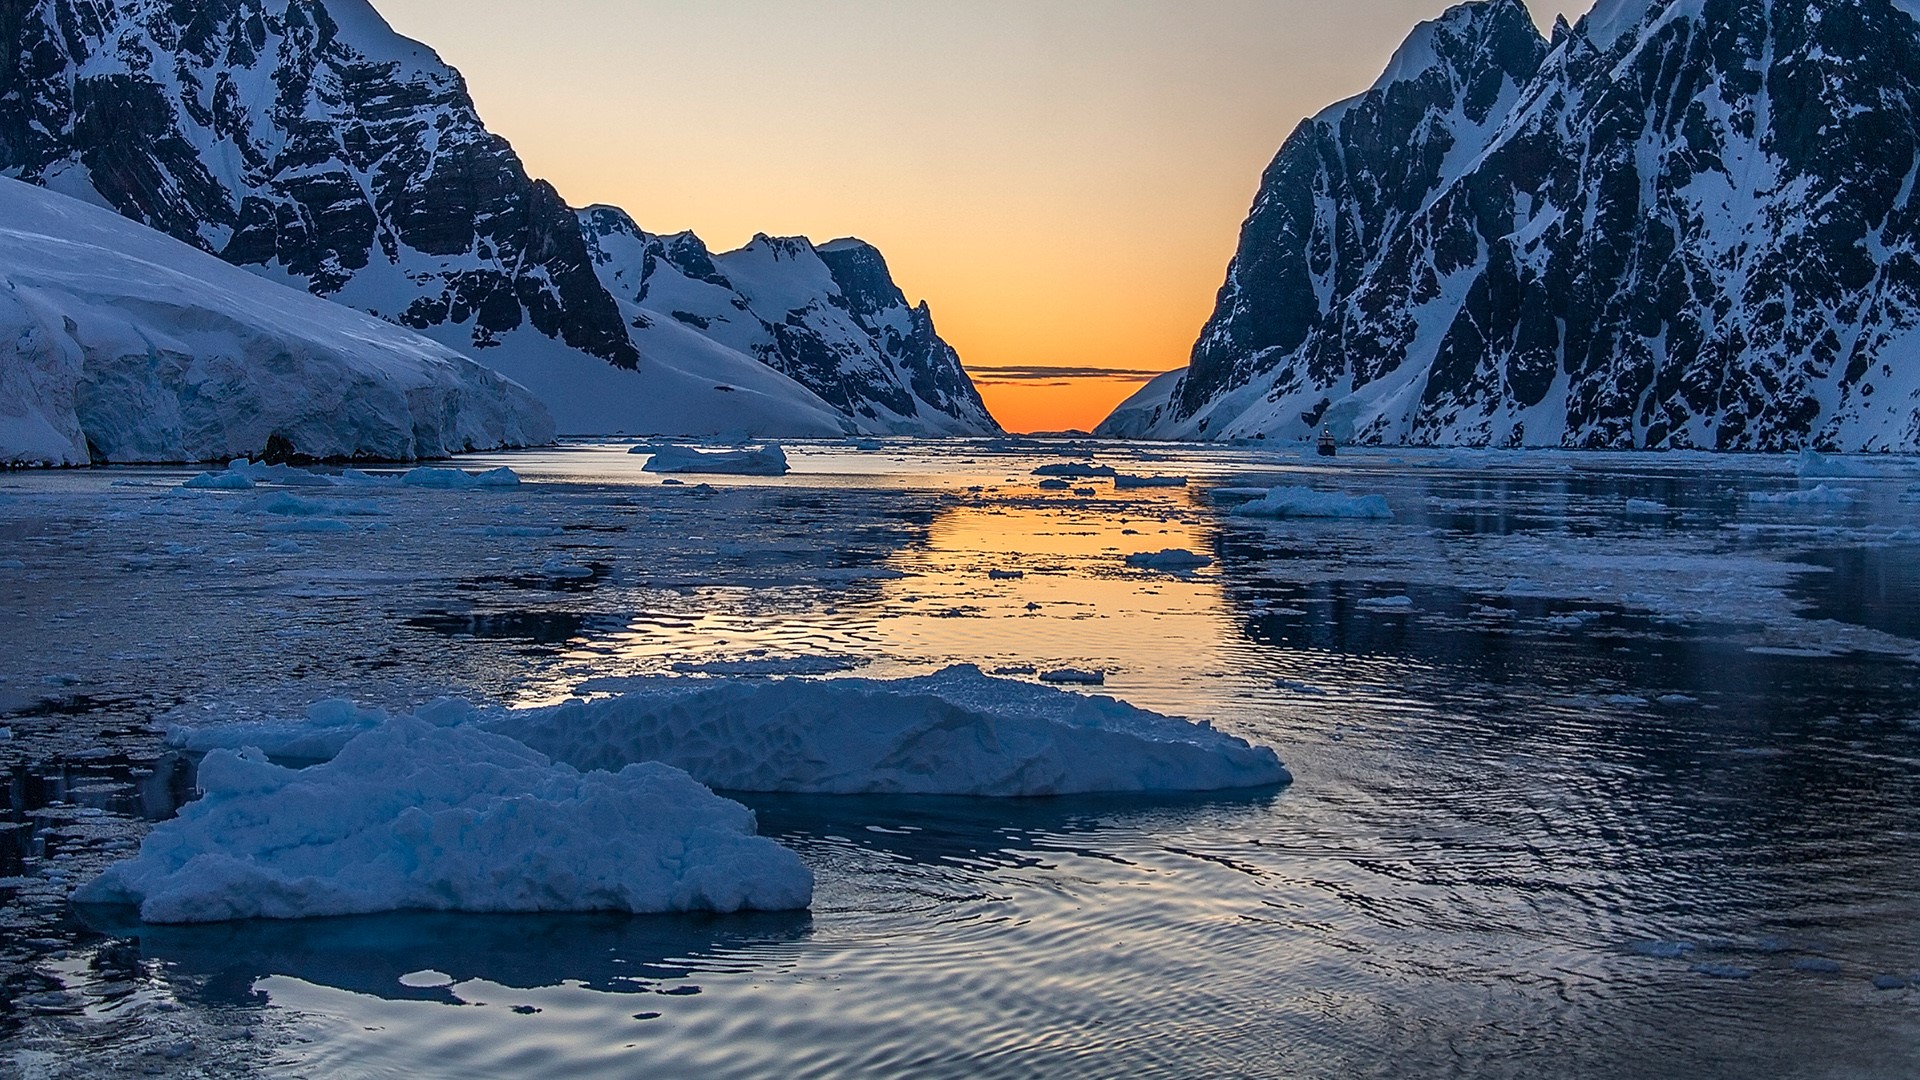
{"x":1679,"y":223}
{"x":305,"y":140}
{"x":830,"y":317}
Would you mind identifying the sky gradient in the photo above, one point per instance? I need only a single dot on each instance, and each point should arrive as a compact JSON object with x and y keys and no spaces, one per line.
{"x":1063,"y":180}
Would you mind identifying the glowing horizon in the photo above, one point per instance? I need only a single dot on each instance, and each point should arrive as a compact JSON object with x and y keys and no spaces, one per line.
{"x":1063,"y":182}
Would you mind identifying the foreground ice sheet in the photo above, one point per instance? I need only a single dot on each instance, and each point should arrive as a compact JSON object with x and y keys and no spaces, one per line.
{"x":957,"y":732}
{"x":412,"y":815}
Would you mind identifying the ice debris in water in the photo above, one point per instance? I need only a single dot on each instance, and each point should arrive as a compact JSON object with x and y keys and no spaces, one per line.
{"x":457,"y":480}
{"x":1646,"y":508}
{"x":768,"y":460}
{"x":219,"y":481}
{"x":1054,"y":485}
{"x":1300,"y":502}
{"x":1124,"y":480}
{"x":1172,"y":560}
{"x":956,"y":732}
{"x":412,"y":816}
{"x":1818,"y":495}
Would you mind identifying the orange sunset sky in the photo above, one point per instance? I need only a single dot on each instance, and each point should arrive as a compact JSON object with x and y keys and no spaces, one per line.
{"x":1063,"y":180}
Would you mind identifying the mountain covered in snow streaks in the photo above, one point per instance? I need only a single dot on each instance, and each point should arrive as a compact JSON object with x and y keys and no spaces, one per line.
{"x":308,"y":142}
{"x":1676,"y":223}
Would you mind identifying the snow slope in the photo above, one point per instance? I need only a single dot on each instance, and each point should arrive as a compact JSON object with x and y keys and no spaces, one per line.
{"x":1675,"y":224}
{"x":411,"y":816}
{"x":308,"y":142}
{"x":125,"y":345}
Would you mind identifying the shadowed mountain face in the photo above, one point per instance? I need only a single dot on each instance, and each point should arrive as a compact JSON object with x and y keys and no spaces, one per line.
{"x":1678,"y":223}
{"x":305,"y":140}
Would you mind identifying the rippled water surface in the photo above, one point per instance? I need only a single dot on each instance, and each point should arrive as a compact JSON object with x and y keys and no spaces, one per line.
{"x":1584,"y":786}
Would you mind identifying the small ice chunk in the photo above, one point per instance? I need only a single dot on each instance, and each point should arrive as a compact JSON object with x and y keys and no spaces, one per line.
{"x":427,"y":979}
{"x":1005,"y":575}
{"x":1388,"y":603}
{"x":1054,"y":485}
{"x":412,"y":816}
{"x":1075,"y":469}
{"x":1889,"y":982}
{"x":1300,"y":502}
{"x":768,"y":460}
{"x":12,"y":564}
{"x":1074,"y":676}
{"x":1677,"y":700}
{"x":559,"y":567}
{"x":1645,"y":508}
{"x":1172,"y":560}
{"x":1125,"y":480}
{"x":1817,"y":965}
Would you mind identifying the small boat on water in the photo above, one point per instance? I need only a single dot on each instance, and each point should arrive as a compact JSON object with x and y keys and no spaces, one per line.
{"x":1326,"y":445}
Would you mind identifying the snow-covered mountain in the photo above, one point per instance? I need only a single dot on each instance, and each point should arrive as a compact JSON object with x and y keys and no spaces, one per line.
{"x":829,"y":317}
{"x":120,"y":344}
{"x":308,"y":142}
{"x":1676,"y":223}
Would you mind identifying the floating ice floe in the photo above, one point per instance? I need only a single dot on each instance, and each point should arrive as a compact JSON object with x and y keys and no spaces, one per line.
{"x":957,"y":732}
{"x":1172,"y":560}
{"x":1054,"y":485}
{"x":411,"y":816}
{"x":1300,"y":502}
{"x":1813,"y":465}
{"x":768,"y":460}
{"x":1123,"y":480}
{"x":1646,"y":508}
{"x":1075,"y":469}
{"x":1005,"y":575}
{"x":458,"y":480}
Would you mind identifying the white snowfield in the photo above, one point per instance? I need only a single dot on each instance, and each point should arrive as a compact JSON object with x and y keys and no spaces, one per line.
{"x":411,"y":816}
{"x":957,"y":732}
{"x":125,"y":345}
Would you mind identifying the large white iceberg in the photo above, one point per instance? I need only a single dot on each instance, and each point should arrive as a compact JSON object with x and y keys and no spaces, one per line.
{"x":414,"y":816}
{"x":122,"y":344}
{"x":957,"y":732}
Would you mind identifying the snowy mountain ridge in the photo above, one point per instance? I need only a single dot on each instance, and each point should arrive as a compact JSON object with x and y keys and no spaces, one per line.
{"x":1677,"y":223}
{"x":829,"y":317}
{"x":308,"y":142}
{"x":124,"y":345}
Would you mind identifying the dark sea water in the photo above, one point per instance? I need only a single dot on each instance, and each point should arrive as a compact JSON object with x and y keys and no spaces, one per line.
{"x":1584,"y":787}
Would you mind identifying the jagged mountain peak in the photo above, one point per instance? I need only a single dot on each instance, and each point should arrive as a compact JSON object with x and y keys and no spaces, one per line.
{"x":1691,"y":225}
{"x":305,"y":140}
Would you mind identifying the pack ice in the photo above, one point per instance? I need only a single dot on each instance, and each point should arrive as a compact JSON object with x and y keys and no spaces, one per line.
{"x":414,"y":816}
{"x":956,"y":732}
{"x":125,"y":345}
